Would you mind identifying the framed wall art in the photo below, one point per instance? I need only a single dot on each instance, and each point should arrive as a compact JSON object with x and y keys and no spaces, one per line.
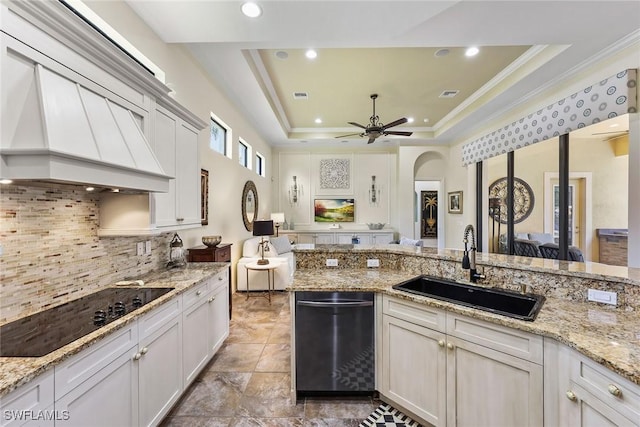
{"x":334,"y":210}
{"x":455,"y":202}
{"x":204,"y":196}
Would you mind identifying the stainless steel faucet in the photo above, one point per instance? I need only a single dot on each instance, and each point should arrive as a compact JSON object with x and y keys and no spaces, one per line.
{"x":469,"y":257}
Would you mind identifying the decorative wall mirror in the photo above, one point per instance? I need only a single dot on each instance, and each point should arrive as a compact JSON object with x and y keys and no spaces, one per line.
{"x":249,"y":205}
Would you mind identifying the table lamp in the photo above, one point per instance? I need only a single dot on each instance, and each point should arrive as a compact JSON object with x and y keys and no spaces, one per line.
{"x":263,"y":228}
{"x":278,"y":219}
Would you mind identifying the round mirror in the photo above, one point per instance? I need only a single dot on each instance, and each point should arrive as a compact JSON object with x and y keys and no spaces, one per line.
{"x":249,"y":204}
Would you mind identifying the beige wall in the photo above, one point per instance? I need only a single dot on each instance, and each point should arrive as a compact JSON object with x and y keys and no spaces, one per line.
{"x":197,"y":92}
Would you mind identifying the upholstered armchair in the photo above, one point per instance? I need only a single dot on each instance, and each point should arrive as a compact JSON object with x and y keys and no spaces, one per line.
{"x":277,"y":249}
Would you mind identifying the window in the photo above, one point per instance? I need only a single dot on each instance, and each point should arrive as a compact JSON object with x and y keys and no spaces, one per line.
{"x":220,"y":136}
{"x":242,"y":153}
{"x":260,"y":164}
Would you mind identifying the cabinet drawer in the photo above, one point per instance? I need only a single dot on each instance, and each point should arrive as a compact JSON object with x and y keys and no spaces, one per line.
{"x":158,"y":317}
{"x":223,"y":254}
{"x":619,"y":393}
{"x":220,"y":279}
{"x":196,"y":293}
{"x":517,"y":343}
{"x":415,"y":313}
{"x":74,"y":371}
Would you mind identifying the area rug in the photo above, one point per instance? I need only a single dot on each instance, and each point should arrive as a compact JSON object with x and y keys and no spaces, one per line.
{"x":387,"y":416}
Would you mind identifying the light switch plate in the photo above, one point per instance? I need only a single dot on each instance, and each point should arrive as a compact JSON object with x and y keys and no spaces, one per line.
{"x":602,"y":296}
{"x":373,"y":262}
{"x":147,"y":247}
{"x":332,"y":262}
{"x":140,"y":248}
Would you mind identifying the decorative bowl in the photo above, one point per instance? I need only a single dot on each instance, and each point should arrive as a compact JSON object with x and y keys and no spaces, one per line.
{"x":375,"y":225}
{"x":211,"y":241}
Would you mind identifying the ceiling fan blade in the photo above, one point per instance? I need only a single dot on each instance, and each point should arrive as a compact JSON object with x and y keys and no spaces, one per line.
{"x":351,"y":134}
{"x":396,"y":123}
{"x":398,"y":132}
{"x":371,"y":139}
{"x":357,"y":124}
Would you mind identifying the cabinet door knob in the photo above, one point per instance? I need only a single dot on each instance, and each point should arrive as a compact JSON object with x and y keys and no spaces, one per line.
{"x":450,"y":346}
{"x":613,"y":389}
{"x":571,"y":396}
{"x":211,"y":299}
{"x":441,"y":343}
{"x":144,"y":350}
{"x":179,"y":219}
{"x":198,"y":293}
{"x":219,"y":277}
{"x":137,"y":356}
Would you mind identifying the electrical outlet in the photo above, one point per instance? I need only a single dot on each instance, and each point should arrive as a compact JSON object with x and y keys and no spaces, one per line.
{"x":602,"y":296}
{"x":332,"y":262}
{"x":373,"y":262}
{"x":147,"y":247}
{"x":140,"y":248}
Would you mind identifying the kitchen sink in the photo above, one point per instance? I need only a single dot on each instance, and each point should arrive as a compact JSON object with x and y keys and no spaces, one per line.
{"x":499,"y":301}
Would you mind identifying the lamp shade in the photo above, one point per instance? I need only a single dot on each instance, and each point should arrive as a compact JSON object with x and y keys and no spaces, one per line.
{"x":277,"y":217}
{"x":263,"y":228}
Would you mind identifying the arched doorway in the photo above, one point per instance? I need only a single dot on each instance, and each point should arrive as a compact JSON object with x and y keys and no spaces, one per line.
{"x":429,"y":199}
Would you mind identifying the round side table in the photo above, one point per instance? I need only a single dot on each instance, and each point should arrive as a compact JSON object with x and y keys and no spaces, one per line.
{"x":270,"y":269}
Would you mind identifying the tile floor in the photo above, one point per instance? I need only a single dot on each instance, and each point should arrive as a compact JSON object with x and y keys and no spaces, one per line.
{"x":247,"y":383}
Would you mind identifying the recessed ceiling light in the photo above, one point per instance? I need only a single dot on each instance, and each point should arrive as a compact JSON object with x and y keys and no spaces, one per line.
{"x":311,"y":54}
{"x":409,"y":119}
{"x":425,"y":120}
{"x":441,"y":52}
{"x":251,"y":9}
{"x":472,"y":51}
{"x":5,"y":181}
{"x":318,"y":120}
{"x":281,"y":54}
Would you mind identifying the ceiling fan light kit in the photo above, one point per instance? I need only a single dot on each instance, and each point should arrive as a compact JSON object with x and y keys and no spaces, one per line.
{"x":376,"y":129}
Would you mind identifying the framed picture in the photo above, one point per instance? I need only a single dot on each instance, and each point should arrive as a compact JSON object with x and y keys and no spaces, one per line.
{"x":204,"y":196}
{"x":334,"y":210}
{"x":455,"y":202}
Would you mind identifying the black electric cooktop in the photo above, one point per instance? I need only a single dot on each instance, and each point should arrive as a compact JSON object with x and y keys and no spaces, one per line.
{"x":48,"y":330}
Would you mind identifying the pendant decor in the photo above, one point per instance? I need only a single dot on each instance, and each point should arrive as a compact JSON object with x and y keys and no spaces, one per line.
{"x":429,"y":214}
{"x":523,"y":200}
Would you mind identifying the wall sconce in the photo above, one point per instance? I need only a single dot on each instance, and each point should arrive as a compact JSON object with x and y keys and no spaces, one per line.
{"x":374,"y":192}
{"x":295,"y":191}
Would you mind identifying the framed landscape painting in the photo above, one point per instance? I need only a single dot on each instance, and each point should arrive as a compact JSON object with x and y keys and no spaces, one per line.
{"x":334,"y":210}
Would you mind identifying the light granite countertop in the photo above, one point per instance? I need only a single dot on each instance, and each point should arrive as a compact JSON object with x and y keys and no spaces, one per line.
{"x":609,"y":336}
{"x":15,"y":371}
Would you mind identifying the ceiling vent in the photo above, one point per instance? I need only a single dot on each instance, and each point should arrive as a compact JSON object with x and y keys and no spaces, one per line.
{"x":300,"y":95}
{"x":448,"y":94}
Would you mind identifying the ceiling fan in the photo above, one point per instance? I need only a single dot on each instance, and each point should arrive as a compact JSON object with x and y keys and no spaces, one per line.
{"x":375,"y":128}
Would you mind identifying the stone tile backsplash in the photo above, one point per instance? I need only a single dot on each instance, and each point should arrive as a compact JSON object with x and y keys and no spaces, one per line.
{"x":51,"y":252}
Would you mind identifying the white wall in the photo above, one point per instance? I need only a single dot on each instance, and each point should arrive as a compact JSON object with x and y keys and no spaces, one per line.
{"x":197,"y":92}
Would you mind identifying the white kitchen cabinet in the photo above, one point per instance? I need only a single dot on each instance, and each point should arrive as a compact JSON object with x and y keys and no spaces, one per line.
{"x":176,"y":147}
{"x":414,"y":375}
{"x":493,"y":377}
{"x":588,"y":394}
{"x":205,"y":324}
{"x":27,"y":401}
{"x":159,"y":360}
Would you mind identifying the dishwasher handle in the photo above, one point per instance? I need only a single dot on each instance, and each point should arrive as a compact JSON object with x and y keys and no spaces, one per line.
{"x":338,"y":304}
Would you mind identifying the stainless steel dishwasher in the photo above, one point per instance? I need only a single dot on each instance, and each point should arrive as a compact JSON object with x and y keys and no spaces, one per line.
{"x":334,"y":333}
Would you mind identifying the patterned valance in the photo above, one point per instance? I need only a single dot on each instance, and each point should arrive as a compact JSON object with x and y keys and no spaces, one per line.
{"x":604,"y":100}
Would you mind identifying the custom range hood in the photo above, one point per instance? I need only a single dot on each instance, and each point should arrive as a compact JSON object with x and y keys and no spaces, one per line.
{"x":56,"y":129}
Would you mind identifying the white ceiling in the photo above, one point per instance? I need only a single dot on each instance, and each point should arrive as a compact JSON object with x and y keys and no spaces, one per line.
{"x":369,"y":47}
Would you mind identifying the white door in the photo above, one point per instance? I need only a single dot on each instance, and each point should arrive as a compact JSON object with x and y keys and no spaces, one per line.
{"x":574,"y":211}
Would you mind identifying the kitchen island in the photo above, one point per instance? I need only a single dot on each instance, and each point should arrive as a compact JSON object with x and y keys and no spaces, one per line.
{"x":574,"y":344}
{"x":157,"y":349}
